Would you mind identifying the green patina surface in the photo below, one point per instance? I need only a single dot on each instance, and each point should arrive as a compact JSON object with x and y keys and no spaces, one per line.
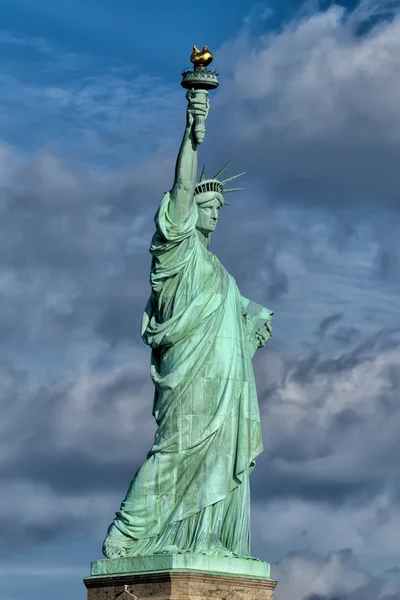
{"x":191,"y":495}
{"x":237,"y":567}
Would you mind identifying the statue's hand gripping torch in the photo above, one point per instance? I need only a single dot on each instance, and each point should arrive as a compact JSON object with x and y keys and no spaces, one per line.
{"x":199,"y":105}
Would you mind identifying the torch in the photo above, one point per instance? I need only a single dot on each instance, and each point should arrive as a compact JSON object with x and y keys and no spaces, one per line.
{"x":198,"y":81}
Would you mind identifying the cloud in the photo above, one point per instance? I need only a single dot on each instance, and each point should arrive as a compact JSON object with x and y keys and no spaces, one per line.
{"x":367,"y":526}
{"x":321,"y":414}
{"x":71,"y":448}
{"x":331,"y":424}
{"x":329,"y":322}
{"x":99,"y":113}
{"x":97,"y":415}
{"x":46,"y":515}
{"x":303,"y":110}
{"x":333,"y":577}
{"x":67,"y":249}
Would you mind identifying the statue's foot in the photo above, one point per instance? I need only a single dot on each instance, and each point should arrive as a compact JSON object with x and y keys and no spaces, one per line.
{"x":222,"y":551}
{"x":170,"y":550}
{"x":246,"y":557}
{"x":113,"y":546}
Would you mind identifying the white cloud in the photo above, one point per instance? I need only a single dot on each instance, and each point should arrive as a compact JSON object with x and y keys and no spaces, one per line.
{"x":107,"y":412}
{"x":94,"y":112}
{"x":309,"y":407}
{"x":44,"y":507}
{"x":317,"y":73}
{"x":367,"y":527}
{"x":335,"y":575}
{"x":300,"y":576}
{"x":312,"y":110}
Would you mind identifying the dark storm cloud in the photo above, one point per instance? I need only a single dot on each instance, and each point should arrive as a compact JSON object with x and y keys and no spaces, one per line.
{"x":87,"y":432}
{"x":250,"y":248}
{"x":71,"y":448}
{"x":387,"y":256}
{"x":69,"y":245}
{"x":315,"y":364}
{"x":335,"y":406}
{"x":328,"y":322}
{"x":346,"y":335}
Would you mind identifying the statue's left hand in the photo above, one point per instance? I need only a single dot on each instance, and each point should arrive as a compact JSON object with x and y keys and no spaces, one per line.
{"x":263,"y":334}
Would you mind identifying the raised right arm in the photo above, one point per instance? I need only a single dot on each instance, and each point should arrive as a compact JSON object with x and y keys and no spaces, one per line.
{"x":182,"y":193}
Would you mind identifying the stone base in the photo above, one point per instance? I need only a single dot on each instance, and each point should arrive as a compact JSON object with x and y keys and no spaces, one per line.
{"x":189,"y":577}
{"x":178,"y":586}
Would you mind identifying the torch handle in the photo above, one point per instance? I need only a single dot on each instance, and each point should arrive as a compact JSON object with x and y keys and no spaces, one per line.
{"x":199,"y":97}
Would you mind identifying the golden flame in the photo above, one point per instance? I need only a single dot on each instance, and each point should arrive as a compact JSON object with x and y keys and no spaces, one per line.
{"x":201,"y":58}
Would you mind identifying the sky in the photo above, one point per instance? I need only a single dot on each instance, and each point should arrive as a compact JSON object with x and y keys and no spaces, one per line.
{"x":91,"y":118}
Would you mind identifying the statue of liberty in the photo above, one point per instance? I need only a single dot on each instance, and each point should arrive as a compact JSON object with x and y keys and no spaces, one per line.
{"x":192,"y":495}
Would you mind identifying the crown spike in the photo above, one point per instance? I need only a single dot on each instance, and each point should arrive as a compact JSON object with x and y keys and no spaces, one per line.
{"x":232,"y":178}
{"x":232,"y":190}
{"x":203,"y":173}
{"x":223,"y":169}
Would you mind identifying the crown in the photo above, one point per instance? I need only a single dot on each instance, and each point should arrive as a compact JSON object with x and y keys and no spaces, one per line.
{"x":214,"y":184}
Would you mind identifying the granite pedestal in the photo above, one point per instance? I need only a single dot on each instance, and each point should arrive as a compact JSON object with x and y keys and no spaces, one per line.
{"x":179,"y":577}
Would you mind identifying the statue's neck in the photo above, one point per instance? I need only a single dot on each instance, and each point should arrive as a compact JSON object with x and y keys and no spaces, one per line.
{"x":204,"y":237}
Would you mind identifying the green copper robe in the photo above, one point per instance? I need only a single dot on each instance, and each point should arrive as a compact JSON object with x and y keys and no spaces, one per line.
{"x":192,"y":492}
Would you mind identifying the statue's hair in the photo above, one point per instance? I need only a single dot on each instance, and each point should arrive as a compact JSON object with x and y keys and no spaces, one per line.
{"x":200,"y":200}
{"x":214,"y":185}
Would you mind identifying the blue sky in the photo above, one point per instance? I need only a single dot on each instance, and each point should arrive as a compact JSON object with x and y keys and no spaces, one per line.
{"x":91,"y":116}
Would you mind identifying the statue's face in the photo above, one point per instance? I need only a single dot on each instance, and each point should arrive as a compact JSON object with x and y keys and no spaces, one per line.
{"x":208,"y":212}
